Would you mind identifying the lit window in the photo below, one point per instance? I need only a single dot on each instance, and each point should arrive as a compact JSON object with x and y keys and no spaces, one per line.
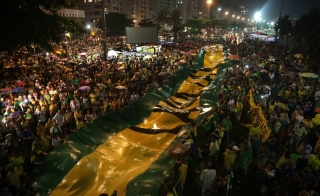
{"x":85,"y":1}
{"x":89,"y":1}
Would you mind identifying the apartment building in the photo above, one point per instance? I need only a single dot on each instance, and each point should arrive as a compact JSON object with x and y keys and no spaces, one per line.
{"x":136,"y":9}
{"x":74,"y":14}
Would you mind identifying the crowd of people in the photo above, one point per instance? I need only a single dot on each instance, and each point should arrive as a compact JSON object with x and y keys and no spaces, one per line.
{"x":231,"y":155}
{"x":46,"y":97}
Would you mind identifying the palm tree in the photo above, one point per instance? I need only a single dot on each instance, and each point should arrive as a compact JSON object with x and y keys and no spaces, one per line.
{"x":307,"y":28}
{"x":176,"y":21}
{"x":162,"y":19}
{"x":284,"y":26}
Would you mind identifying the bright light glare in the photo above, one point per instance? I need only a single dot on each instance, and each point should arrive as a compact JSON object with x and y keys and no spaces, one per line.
{"x":155,"y":126}
{"x":88,"y":26}
{"x":257,"y":16}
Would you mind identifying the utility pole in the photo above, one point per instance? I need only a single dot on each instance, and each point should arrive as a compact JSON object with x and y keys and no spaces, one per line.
{"x":104,"y":30}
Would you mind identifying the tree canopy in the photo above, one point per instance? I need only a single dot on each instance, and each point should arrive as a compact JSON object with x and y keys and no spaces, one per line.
{"x":147,"y":23}
{"x":116,"y":24}
{"x":33,"y":22}
{"x":307,"y":28}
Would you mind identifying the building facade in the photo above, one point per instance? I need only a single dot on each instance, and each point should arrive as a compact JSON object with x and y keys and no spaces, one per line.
{"x":137,"y":10}
{"x":74,"y":14}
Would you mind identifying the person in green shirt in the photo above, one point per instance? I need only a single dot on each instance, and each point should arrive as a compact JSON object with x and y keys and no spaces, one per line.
{"x":243,"y":161}
{"x":17,"y":104}
{"x":77,"y":81}
{"x":227,"y":125}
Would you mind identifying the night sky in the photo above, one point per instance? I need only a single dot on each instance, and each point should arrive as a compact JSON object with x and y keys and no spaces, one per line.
{"x":270,"y":9}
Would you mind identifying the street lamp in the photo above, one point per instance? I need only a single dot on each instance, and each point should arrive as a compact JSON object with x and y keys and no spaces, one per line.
{"x":226,"y":14}
{"x":209,"y":3}
{"x":233,"y":17}
{"x":88,"y":26}
{"x":257,"y":17}
{"x":219,"y":9}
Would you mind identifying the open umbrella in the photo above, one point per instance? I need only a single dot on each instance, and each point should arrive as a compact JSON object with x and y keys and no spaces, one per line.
{"x":121,"y":87}
{"x":14,"y":115}
{"x":234,"y":57}
{"x":182,"y":61}
{"x":121,"y":68}
{"x":283,"y":106}
{"x":67,"y":89}
{"x":317,"y":110}
{"x":19,"y":84}
{"x":84,"y":88}
{"x":83,"y":83}
{"x":308,"y":75}
{"x":263,"y":71}
{"x":179,"y":151}
{"x":101,"y":85}
{"x":298,"y":56}
{"x":5,"y":92}
{"x":18,"y":90}
{"x":5,"y":89}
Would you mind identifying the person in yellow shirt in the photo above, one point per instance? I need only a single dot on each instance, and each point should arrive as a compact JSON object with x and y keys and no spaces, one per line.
{"x":77,"y":114}
{"x":17,"y":160}
{"x":40,"y":129}
{"x":239,"y":107}
{"x":79,"y":124}
{"x":229,"y":158}
{"x":13,"y":176}
{"x":301,"y":92}
{"x":48,"y":126}
{"x":93,"y":97}
{"x":46,"y":139}
{"x":43,"y":103}
{"x":280,"y":94}
{"x":183,"y":176}
{"x":287,"y":95}
{"x":24,"y":123}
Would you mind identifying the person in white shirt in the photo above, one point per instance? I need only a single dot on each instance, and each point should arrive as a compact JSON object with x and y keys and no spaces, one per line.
{"x":207,"y":177}
{"x":41,"y":115}
{"x":73,"y":105}
{"x":56,"y":141}
{"x":86,"y":103}
{"x":59,"y":118}
{"x":56,"y":130}
{"x":78,"y":105}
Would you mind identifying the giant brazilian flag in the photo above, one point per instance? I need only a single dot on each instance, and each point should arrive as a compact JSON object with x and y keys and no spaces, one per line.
{"x":127,"y":150}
